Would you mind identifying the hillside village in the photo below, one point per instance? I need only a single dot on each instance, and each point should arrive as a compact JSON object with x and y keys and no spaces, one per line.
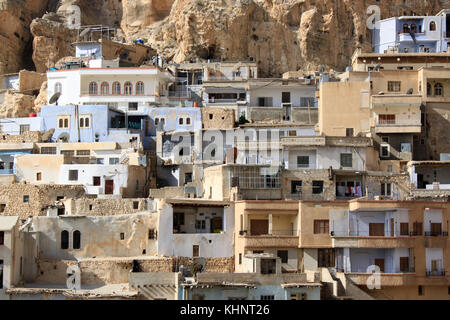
{"x":203,"y":180}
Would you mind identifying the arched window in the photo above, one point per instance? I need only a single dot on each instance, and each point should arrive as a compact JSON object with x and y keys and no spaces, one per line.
{"x":93,"y":88}
{"x":105,"y":88}
{"x":432,"y":26}
{"x":81,"y":122}
{"x":61,"y":123}
{"x":86,"y":122}
{"x":76,"y":239}
{"x":429,"y":93}
{"x":414,"y":28}
{"x":65,"y":239}
{"x":438,"y":89}
{"x":128,"y":89}
{"x":188,"y":120}
{"x":405,"y":28}
{"x":116,"y":90}
{"x":66,"y":123}
{"x":140,"y":88}
{"x":58,"y":87}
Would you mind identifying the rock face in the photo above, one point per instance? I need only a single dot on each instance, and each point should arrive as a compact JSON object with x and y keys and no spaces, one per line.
{"x":281,"y":35}
{"x":15,"y":36}
{"x":16,"y":105}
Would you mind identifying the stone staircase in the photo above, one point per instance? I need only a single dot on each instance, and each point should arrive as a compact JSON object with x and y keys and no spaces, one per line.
{"x":338,"y":286}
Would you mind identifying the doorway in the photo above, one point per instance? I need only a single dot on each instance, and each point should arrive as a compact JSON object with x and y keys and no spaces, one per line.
{"x":380,"y":264}
{"x":216,"y":224}
{"x":259,"y":227}
{"x":109,"y":186}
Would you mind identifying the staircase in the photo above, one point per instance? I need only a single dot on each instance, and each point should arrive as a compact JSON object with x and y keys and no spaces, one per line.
{"x":339,"y":287}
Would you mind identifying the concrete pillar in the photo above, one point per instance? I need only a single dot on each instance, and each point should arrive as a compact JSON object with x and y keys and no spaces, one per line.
{"x":270,"y":223}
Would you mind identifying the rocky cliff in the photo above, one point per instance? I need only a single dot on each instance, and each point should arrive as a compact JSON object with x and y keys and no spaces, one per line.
{"x":280,"y":35}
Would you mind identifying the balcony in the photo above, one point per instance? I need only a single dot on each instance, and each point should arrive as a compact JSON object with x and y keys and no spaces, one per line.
{"x":303,"y":141}
{"x":181,"y":94}
{"x":435,"y":273}
{"x":359,"y":240}
{"x":436,"y":234}
{"x":7,"y":171}
{"x":386,"y":279}
{"x":395,"y":127}
{"x":284,"y":239}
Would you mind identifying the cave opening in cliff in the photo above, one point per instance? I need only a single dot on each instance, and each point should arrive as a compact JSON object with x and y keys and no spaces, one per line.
{"x":208,"y":53}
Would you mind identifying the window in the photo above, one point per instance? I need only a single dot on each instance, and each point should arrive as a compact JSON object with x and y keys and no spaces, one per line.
{"x":349,"y":132}
{"x":116,"y":90}
{"x":285,"y":97}
{"x":404,"y":228}
{"x":83,"y":152}
{"x":438,"y":89}
{"x":317,"y":187}
{"x":420,"y":290}
{"x":65,"y":239}
{"x":325,"y":258}
{"x":2,"y":207}
{"x":240,"y":258}
{"x":73,"y":175}
{"x":384,"y":150}
{"x":39,"y":176}
{"x":200,"y":224}
{"x":63,"y":122}
{"x":346,"y":160}
{"x":265,"y":101}
{"x":26,"y":198}
{"x":188,"y":177}
{"x":58,"y":87}
{"x":69,"y":153}
{"x":296,"y":186}
{"x":132,"y":106}
{"x":156,"y":121}
{"x":307,"y":102}
{"x":93,"y":88}
{"x":195,"y":251}
{"x":180,"y":121}
{"x":128,"y":88}
{"x":104,"y":88}
{"x":152,"y":234}
{"x":386,"y":189}
{"x":321,"y":226}
{"x":385,"y":139}
{"x":394,"y":86}
{"x":302,"y":161}
{"x":283,"y":254}
{"x":413,"y":28}
{"x":96,"y":181}
{"x":268,"y":297}
{"x":432,"y":26}
{"x":85,"y":121}
{"x":100,"y":161}
{"x":122,"y":236}
{"x":76,"y":243}
{"x":48,"y":150}
{"x":405,"y":28}
{"x":113,"y":161}
{"x":188,"y":121}
{"x":404,"y":264}
{"x":140,"y":88}
{"x":2,"y":237}
{"x":24,"y":128}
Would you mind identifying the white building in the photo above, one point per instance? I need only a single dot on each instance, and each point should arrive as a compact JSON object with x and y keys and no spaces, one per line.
{"x":127,"y":89}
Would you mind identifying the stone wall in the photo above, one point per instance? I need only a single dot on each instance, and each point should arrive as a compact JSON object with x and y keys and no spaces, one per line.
{"x":217,"y":118}
{"x":400,"y":185}
{"x":26,"y":137}
{"x":106,"y":207}
{"x":38,"y":197}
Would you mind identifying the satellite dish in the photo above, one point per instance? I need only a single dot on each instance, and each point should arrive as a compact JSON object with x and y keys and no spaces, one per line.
{"x":48,"y":135}
{"x":63,"y":137}
{"x":55,"y":98}
{"x":85,"y":32}
{"x":410,"y":91}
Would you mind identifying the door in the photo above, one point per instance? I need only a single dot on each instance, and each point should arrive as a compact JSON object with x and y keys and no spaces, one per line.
{"x":96,"y":181}
{"x":259,"y":227}
{"x":436,"y":229}
{"x":109,"y":186}
{"x":376,"y":229}
{"x":404,"y":264}
{"x":216,"y":224}
{"x":380,"y":264}
{"x":195,"y":251}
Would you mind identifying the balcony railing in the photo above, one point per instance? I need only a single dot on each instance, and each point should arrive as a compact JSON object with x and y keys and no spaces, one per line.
{"x":435,"y":273}
{"x":436,"y":234}
{"x":6,"y":171}
{"x":180,"y":94}
{"x":387,"y":233}
{"x":274,"y":233}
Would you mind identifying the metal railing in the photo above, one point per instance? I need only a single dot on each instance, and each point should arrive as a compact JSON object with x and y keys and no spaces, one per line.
{"x":180,"y":94}
{"x":436,"y":234}
{"x":273,"y":233}
{"x":435,"y":273}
